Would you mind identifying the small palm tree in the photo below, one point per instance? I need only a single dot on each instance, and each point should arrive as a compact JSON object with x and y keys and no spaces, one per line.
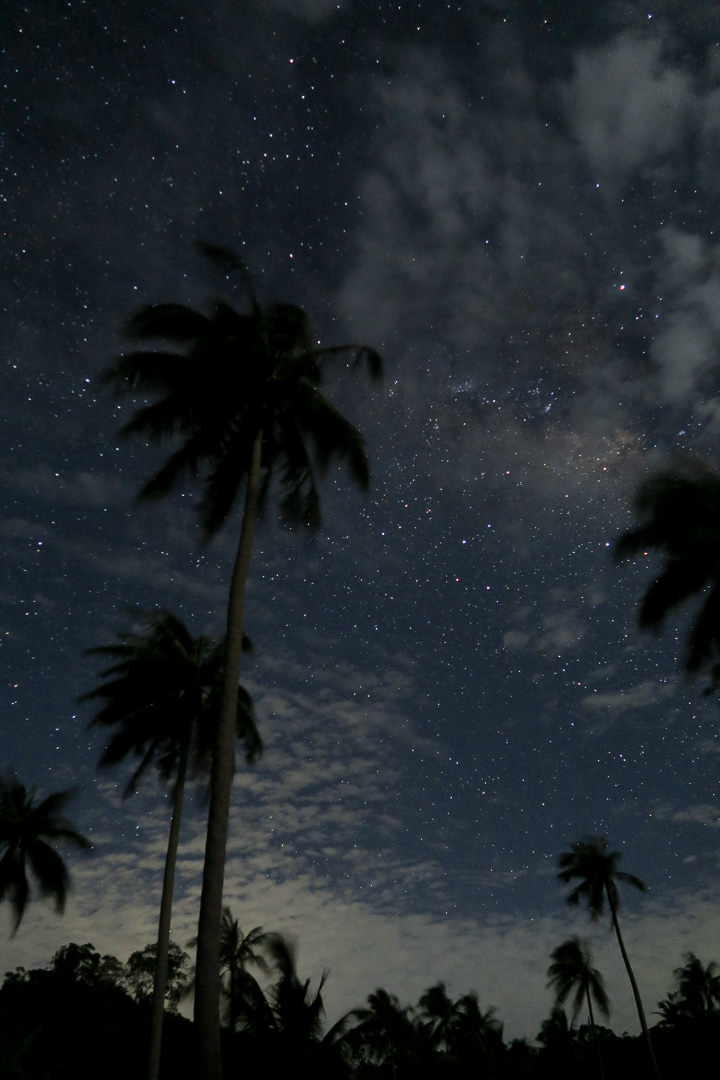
{"x":161,"y":694}
{"x":29,"y":832}
{"x":571,"y":972}
{"x":237,"y":951}
{"x":679,"y":512}
{"x":243,"y":394}
{"x":599,"y":875}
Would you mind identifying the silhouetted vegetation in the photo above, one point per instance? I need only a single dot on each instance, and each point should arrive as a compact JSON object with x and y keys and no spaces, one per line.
{"x":29,"y":833}
{"x":87,"y":1015}
{"x":161,"y":696}
{"x":679,"y":518}
{"x":599,"y":874}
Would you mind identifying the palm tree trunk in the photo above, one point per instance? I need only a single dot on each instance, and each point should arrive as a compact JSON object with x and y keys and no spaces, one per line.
{"x":163,"y":942}
{"x":633,"y":983}
{"x":601,"y":1071}
{"x":207,"y":987}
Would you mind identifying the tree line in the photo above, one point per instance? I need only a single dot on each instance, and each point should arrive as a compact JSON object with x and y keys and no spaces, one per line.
{"x":85,"y":1012}
{"x":239,"y":395}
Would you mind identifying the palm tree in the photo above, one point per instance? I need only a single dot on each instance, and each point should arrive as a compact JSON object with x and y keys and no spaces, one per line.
{"x":237,"y":950}
{"x":679,"y":513}
{"x":440,"y":1015}
{"x":28,"y":833}
{"x":698,"y":987}
{"x":161,"y":693}
{"x":599,"y":875}
{"x":385,"y":1032}
{"x":571,"y":971}
{"x":286,"y":1021}
{"x":243,"y":394}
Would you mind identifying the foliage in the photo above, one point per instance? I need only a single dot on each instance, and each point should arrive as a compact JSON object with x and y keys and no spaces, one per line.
{"x":696,"y":995}
{"x":140,"y":974}
{"x":597,"y":868}
{"x":571,"y":971}
{"x":29,"y":832}
{"x":161,"y":693}
{"x":679,"y":512}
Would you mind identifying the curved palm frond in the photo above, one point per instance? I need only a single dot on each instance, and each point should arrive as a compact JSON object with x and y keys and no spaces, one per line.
{"x":679,"y":517}
{"x":25,"y":831}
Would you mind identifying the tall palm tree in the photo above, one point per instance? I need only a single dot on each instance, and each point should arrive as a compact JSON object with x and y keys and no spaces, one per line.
{"x":571,"y":971}
{"x":242,"y":393}
{"x":679,"y":512}
{"x":597,"y":868}
{"x":29,"y":832}
{"x":161,"y":694}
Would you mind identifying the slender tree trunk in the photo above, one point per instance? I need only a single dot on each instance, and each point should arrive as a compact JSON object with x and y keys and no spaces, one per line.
{"x":633,"y":983}
{"x":163,"y":941}
{"x":207,"y":986}
{"x":601,"y":1071}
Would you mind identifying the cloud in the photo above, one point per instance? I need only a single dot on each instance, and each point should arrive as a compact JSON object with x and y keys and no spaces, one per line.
{"x":627,"y":106}
{"x":619,"y":702}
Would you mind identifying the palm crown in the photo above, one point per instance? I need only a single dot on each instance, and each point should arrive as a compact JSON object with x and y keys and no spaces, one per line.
{"x":239,"y":374}
{"x":28,"y":832}
{"x":161,"y":693}
{"x":571,"y":971}
{"x":597,"y":867}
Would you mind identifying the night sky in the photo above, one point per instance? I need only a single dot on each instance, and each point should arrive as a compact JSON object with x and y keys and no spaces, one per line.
{"x":516,"y":204}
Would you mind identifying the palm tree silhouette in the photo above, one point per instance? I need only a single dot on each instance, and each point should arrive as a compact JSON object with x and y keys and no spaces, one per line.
{"x":440,"y":1015}
{"x":28,"y":833}
{"x":599,"y":875}
{"x":679,"y":513}
{"x":237,"y":951}
{"x":385,"y":1033}
{"x":243,"y":394}
{"x":571,"y":971}
{"x":698,"y":991}
{"x":162,"y":693}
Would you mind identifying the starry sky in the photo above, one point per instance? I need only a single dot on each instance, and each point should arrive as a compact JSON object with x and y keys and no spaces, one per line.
{"x":516,"y":204}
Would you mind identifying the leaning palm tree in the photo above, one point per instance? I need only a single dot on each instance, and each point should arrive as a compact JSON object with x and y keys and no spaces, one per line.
{"x":242,"y":392}
{"x":571,"y":972}
{"x":679,"y":512}
{"x":161,"y":695}
{"x":599,"y":875}
{"x":29,"y":832}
